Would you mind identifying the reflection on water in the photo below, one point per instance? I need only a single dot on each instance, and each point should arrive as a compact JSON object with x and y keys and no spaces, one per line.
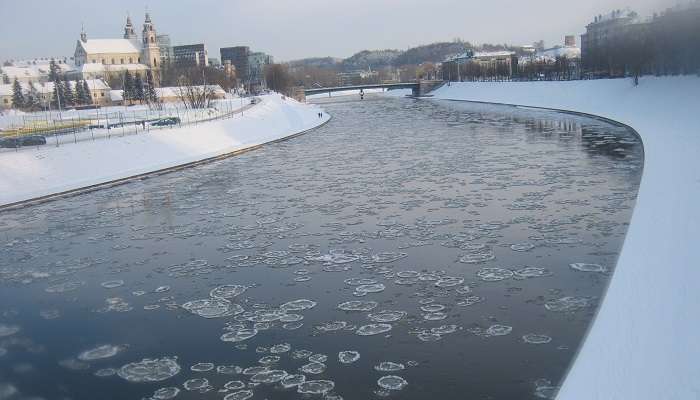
{"x":408,"y":249}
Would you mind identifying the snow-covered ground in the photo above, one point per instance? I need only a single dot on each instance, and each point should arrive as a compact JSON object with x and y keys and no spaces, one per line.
{"x":31,"y":173}
{"x":13,"y":119}
{"x":644,"y":341}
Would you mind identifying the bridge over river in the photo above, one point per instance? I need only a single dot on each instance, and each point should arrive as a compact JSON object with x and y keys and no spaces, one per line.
{"x":419,"y":88}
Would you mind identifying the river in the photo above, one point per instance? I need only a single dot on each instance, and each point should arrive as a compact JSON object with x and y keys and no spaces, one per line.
{"x":460,"y":250}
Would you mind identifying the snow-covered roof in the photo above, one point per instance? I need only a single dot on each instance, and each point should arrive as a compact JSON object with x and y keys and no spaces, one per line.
{"x":567,"y":51}
{"x":103,"y":46}
{"x":22,"y":72}
{"x":47,"y":87}
{"x":168,"y":92}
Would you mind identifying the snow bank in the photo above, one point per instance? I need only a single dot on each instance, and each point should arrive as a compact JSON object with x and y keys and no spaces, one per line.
{"x":644,"y":341}
{"x":29,"y":174}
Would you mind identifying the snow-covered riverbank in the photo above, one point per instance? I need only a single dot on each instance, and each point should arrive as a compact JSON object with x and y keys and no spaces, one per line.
{"x":30,"y":173}
{"x":644,"y":342}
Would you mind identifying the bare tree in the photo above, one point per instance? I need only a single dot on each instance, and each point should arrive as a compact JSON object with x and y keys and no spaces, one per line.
{"x":194,"y":96}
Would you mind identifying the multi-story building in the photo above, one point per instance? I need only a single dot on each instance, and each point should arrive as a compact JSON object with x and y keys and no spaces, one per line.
{"x":603,"y":32}
{"x":360,"y":77}
{"x":166,"y":49}
{"x":256,"y":68}
{"x":238,"y":56}
{"x":193,"y":55}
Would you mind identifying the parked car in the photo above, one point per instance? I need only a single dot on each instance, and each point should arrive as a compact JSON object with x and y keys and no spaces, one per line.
{"x":33,"y":140}
{"x":10,"y":143}
{"x":166,"y":121}
{"x":253,"y":100}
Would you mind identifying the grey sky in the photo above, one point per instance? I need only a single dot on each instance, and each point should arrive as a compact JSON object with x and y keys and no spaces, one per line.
{"x":291,"y":29}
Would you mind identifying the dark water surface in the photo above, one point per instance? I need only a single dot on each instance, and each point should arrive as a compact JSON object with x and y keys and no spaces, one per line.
{"x":486,"y":234}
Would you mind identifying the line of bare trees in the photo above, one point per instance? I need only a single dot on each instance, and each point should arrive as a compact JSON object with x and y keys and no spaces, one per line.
{"x":667,"y":45}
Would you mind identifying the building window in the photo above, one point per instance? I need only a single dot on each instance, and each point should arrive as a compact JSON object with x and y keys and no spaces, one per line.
{"x":122,"y":61}
{"x":103,"y":95}
{"x":94,"y":61}
{"x":113,"y":61}
{"x":154,"y":62}
{"x":139,"y":60}
{"x":131,"y":60}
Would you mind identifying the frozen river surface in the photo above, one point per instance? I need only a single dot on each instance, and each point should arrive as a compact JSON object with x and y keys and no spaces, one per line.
{"x":407,"y":249}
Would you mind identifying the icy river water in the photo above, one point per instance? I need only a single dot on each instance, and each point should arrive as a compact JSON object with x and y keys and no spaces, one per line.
{"x":407,"y":249}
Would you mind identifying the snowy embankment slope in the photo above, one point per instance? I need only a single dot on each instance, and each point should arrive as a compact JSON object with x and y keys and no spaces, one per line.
{"x":31,"y":173}
{"x":644,"y":341}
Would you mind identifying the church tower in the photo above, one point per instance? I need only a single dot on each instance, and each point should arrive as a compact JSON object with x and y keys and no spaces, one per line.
{"x":150,"y":50}
{"x":129,"y":32}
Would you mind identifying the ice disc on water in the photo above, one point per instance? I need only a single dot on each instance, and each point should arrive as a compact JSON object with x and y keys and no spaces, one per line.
{"x":271,"y":376}
{"x":234,"y":385}
{"x":392,"y":382}
{"x":227,"y":291}
{"x":100,"y":352}
{"x":112,"y":284}
{"x":291,"y":381}
{"x":449,"y":281}
{"x":239,"y":335}
{"x":494,"y":274}
{"x":373,"y":329}
{"x":358,"y":305}
{"x":228,"y":369}
{"x":533,"y":338}
{"x":389,"y":366}
{"x":388,"y":257}
{"x":212,"y":308}
{"x":316,"y":387}
{"x":8,"y":330}
{"x":532,"y":272}
{"x":64,"y":287}
{"x":583,"y":267}
{"x":150,"y":370}
{"x":202,"y":367}
{"x":196,"y":384}
{"x":499,"y":330}
{"x":568,"y":304}
{"x":298,"y":305}
{"x":348,"y":356}
{"x":373,"y":288}
{"x":240,"y":395}
{"x":280,"y":348}
{"x":166,"y":393}
{"x":332,"y":326}
{"x":387,"y":316}
{"x":313,"y":368}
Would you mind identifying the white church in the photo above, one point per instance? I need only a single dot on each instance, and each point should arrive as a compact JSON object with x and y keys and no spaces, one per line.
{"x":109,"y":58}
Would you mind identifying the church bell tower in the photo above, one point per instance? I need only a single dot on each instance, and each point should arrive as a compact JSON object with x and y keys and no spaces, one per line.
{"x":150,"y":49}
{"x":129,"y":32}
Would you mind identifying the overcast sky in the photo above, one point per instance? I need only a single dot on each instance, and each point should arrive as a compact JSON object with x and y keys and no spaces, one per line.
{"x":292,"y":29}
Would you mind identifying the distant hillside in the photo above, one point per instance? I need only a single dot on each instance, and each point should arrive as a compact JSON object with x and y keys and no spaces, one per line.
{"x":378,"y":59}
{"x":373,"y":59}
{"x":433,"y":53}
{"x":317,"y":62}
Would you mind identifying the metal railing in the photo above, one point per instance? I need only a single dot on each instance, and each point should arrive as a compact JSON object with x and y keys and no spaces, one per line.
{"x":26,"y":131}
